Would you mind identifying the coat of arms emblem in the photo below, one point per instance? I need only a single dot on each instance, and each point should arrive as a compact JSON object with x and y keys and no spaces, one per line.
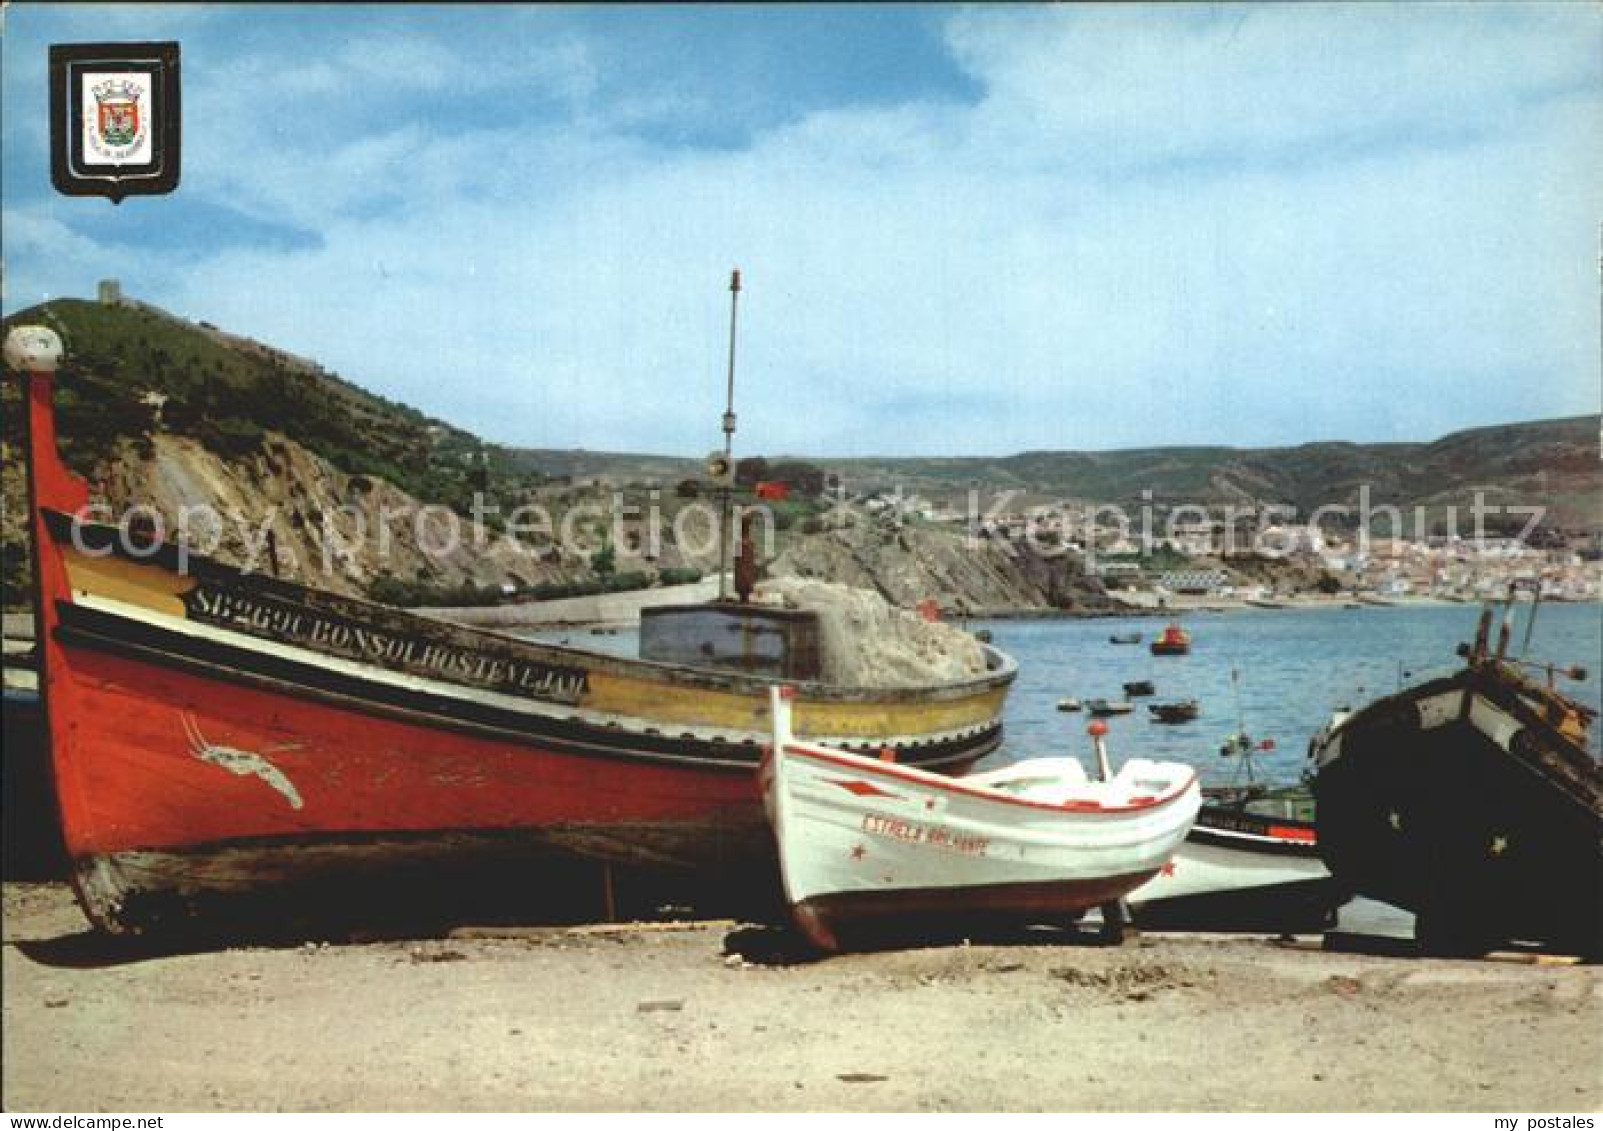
{"x":114,"y":118}
{"x":117,"y":117}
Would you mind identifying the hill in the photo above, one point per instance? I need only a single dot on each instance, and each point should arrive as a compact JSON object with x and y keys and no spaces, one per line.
{"x":175,"y":415}
{"x":1552,"y":463}
{"x":157,"y":409}
{"x":136,"y":369}
{"x":1555,"y":462}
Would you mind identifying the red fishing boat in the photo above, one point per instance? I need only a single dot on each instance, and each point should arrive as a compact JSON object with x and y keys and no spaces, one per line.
{"x":1172,"y":641}
{"x":215,"y":734}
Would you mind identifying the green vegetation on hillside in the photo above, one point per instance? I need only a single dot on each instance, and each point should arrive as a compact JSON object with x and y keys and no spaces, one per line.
{"x":130,"y":366}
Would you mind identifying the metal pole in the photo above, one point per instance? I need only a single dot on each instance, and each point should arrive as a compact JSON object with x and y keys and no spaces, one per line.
{"x":1530,"y":623}
{"x":1096,"y":730}
{"x":729,"y":441}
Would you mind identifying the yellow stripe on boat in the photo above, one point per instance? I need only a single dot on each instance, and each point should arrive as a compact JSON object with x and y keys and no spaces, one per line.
{"x":148,"y":586}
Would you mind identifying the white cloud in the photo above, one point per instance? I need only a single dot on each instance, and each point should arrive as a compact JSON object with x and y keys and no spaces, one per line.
{"x":1156,"y":226}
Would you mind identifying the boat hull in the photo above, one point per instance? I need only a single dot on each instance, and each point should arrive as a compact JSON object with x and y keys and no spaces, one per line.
{"x":1238,"y":871}
{"x":871,"y":849}
{"x":1462,"y":802}
{"x":217,"y":737}
{"x":861,"y":919}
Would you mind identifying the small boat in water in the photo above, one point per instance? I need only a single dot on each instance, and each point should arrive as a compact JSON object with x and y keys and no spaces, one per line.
{"x":1139,"y":688}
{"x":1472,"y":801}
{"x":1182,"y":711}
{"x":1106,"y":708}
{"x":1125,"y":638}
{"x":1069,"y":705}
{"x":1172,"y":641}
{"x":870,"y":849}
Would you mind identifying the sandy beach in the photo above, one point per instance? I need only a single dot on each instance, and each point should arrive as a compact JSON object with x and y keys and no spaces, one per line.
{"x":720,"y":1016}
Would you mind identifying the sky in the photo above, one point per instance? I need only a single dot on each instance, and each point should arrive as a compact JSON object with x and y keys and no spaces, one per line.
{"x":961,"y":231}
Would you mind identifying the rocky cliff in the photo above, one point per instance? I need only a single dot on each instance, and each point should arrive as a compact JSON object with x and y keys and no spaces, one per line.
{"x":285,"y":509}
{"x":916,"y":563}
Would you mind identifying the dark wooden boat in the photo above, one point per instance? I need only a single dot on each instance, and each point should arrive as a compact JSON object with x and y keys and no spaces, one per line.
{"x":1104,"y":708}
{"x":1179,"y":712}
{"x":1125,"y":638}
{"x":1173,"y":641}
{"x":217,"y":736}
{"x":1472,"y":801}
{"x":1139,"y":688}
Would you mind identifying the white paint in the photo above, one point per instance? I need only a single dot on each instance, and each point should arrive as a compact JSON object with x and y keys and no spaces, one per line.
{"x":33,"y":349}
{"x":124,"y":95}
{"x":242,"y":763}
{"x":845,"y":823}
{"x":1439,"y":710}
{"x":1207,"y":869}
{"x":1495,"y":723}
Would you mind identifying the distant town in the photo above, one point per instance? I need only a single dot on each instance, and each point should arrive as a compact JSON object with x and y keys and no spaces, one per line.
{"x":1186,"y":552}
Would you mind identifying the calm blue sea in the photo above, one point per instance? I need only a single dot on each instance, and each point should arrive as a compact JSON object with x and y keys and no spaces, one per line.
{"x":1294,"y":666}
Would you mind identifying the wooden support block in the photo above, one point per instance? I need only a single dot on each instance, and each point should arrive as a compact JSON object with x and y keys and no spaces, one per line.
{"x":1118,"y":925}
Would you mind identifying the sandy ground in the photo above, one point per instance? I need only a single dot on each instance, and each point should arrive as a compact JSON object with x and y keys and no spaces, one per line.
{"x":718,"y":1017}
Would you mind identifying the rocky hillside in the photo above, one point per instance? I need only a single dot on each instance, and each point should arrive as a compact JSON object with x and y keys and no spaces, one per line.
{"x":157,"y":410}
{"x":910,"y":564}
{"x":330,"y":529}
{"x":187,"y":418}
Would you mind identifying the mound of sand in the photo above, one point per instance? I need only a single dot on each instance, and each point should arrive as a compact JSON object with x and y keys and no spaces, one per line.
{"x":867,"y":642}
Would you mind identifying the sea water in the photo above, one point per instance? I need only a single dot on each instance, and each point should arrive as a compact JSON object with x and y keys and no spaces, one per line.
{"x":1272,"y":674}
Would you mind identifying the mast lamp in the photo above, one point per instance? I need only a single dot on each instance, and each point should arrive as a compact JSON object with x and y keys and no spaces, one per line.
{"x":721,"y":469}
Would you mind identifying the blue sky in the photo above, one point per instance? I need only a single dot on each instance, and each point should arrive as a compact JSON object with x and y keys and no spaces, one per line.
{"x":962,"y":231}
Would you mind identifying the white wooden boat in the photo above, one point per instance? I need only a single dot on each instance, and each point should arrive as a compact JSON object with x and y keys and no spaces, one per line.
{"x":870,"y":848}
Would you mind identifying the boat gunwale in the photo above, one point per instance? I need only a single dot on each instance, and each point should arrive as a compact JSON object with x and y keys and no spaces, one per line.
{"x":1506,"y":689}
{"x":917,"y":776}
{"x":1001,"y":671}
{"x":738,"y":755}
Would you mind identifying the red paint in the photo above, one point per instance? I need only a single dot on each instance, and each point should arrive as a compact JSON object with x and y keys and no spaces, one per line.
{"x":50,"y":485}
{"x":864,"y":789}
{"x":1292,"y":832}
{"x":828,"y":921}
{"x":128,"y":775}
{"x":136,"y":781}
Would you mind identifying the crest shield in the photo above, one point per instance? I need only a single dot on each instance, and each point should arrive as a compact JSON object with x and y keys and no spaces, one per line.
{"x":119,"y":120}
